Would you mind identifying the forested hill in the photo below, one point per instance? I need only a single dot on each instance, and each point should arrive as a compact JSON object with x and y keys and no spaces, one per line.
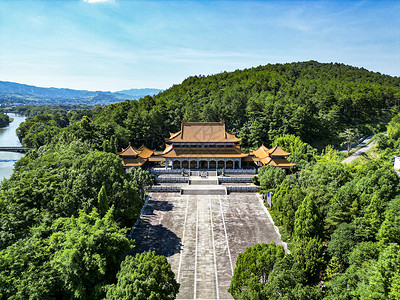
{"x":312,"y":100}
{"x":315,"y":101}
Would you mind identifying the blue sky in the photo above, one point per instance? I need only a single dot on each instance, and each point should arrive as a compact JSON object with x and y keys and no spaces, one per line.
{"x":121,"y":44}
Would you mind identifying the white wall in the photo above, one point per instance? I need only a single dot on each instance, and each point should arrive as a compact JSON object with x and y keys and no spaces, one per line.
{"x":396,"y":165}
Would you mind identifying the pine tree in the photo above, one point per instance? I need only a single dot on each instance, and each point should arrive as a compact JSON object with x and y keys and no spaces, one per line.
{"x":106,"y":146}
{"x":308,"y":253}
{"x":390,"y":229}
{"x":334,"y":268}
{"x":373,"y":213}
{"x":307,"y":222}
{"x":113,"y":144}
{"x":103,"y":201}
{"x":286,"y":201}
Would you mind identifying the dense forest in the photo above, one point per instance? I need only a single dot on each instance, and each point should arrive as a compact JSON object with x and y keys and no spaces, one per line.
{"x":66,"y":210}
{"x":341,"y":223}
{"x":34,"y":110}
{"x":4,"y":120}
{"x":317,"y":102}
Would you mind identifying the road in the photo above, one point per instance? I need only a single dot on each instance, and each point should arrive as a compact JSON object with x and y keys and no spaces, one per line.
{"x":201,"y":236}
{"x":365,"y":145}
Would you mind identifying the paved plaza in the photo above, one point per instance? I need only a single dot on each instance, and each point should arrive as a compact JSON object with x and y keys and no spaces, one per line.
{"x":201,"y":236}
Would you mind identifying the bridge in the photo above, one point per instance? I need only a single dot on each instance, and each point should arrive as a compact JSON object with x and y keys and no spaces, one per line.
{"x":15,"y":149}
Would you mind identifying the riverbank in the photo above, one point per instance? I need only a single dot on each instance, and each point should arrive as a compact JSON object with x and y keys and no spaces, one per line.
{"x":8,"y":137}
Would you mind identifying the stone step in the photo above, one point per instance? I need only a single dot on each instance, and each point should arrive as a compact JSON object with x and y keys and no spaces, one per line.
{"x":203,"y":182}
{"x":203,"y":190}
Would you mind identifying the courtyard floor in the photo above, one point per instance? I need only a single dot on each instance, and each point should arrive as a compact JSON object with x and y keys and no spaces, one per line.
{"x":201,"y":236}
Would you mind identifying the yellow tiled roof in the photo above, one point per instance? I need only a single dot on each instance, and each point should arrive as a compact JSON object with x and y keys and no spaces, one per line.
{"x":202,"y":132}
{"x":128,"y":151}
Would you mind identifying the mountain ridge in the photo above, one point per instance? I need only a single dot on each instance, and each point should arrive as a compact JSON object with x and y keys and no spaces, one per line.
{"x":12,"y":93}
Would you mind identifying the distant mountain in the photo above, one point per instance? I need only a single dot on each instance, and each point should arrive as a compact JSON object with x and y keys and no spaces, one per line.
{"x":12,"y":93}
{"x":140,"y":92}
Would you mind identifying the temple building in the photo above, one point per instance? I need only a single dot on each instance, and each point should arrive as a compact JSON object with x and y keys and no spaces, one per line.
{"x":201,"y":145}
{"x":204,"y":145}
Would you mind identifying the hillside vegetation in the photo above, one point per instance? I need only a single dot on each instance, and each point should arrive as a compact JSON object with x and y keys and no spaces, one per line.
{"x":315,"y":101}
{"x":341,"y":223}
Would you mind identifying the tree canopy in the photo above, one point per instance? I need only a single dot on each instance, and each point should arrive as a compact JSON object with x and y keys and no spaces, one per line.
{"x":4,"y":120}
{"x":144,"y":276}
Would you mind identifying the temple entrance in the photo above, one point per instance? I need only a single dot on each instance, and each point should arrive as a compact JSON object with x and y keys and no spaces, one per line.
{"x":203,"y":164}
{"x":185,"y":164}
{"x":213,"y":164}
{"x":177,"y":164}
{"x":229,"y":164}
{"x":221,"y":164}
{"x":193,"y":164}
{"x":237,"y":165}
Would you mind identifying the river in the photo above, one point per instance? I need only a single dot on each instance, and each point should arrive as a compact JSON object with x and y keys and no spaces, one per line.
{"x":8,"y":137}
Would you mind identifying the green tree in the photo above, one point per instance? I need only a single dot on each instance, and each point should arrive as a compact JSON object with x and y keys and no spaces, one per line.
{"x":349,"y":136}
{"x":26,"y":271}
{"x":373,"y":213}
{"x":363,"y":252}
{"x":340,"y":205}
{"x":380,"y":279}
{"x":393,"y":129}
{"x":307,"y":222}
{"x":88,"y":252}
{"x":270,"y":176}
{"x":389,"y":231}
{"x":342,"y":242}
{"x":4,"y":120}
{"x":59,"y":184}
{"x":322,"y":181}
{"x":142,"y":179}
{"x":334,"y":268}
{"x":106,"y":146}
{"x":286,"y":201}
{"x":252,"y":270}
{"x":301,"y":153}
{"x":308,"y":253}
{"x":144,"y":276}
{"x":288,"y":281}
{"x":102,"y":199}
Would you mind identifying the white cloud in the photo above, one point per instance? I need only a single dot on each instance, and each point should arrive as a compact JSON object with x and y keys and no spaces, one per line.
{"x":98,"y":1}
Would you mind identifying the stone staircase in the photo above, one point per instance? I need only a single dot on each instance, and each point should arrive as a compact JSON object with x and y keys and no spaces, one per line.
{"x":204,"y":183}
{"x":195,"y":180}
{"x":203,"y":186}
{"x":203,"y":190}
